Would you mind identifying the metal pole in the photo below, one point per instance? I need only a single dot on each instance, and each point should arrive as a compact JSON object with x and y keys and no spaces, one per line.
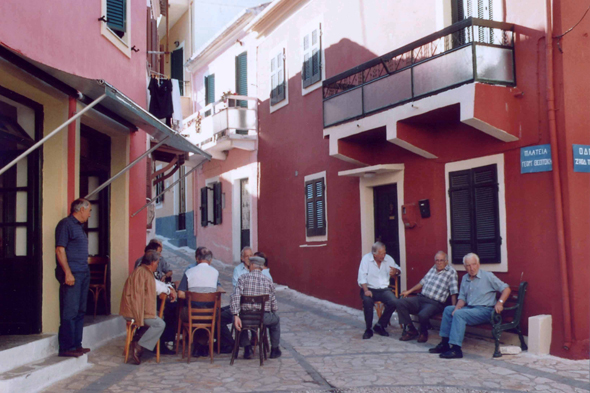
{"x":166,"y":190}
{"x":52,"y":133}
{"x":122,"y":171}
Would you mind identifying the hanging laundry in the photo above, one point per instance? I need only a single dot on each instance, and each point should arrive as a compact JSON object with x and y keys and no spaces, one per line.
{"x":161,"y":98}
{"x":177,"y":115}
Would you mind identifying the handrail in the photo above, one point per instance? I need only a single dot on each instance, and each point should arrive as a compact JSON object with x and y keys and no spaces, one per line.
{"x":456,"y":27}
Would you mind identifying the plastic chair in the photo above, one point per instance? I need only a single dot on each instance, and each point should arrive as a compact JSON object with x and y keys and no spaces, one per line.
{"x":199,"y":319}
{"x":98,"y":279}
{"x":252,"y":321}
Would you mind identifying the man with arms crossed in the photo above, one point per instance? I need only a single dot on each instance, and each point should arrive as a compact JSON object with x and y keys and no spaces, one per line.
{"x":440,"y":281}
{"x":374,"y":272}
{"x":477,"y":300}
{"x":73,"y":274}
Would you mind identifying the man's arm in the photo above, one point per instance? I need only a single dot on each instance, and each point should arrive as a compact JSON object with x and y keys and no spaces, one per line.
{"x":235,"y":277}
{"x":62,"y":259}
{"x":362,"y":278}
{"x":415,"y":288}
{"x":454,"y":299}
{"x":499,"y":307}
{"x":183,"y":286}
{"x":459,"y":305}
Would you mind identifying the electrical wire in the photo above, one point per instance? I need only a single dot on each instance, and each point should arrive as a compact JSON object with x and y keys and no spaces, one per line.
{"x":559,"y":37}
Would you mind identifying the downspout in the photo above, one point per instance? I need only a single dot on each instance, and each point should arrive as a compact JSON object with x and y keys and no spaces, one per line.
{"x":565,"y":291}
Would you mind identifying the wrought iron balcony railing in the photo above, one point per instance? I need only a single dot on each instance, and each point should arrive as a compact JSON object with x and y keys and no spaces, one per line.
{"x":465,"y":52}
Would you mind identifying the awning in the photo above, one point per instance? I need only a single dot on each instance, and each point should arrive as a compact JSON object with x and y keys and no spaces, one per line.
{"x":93,"y":91}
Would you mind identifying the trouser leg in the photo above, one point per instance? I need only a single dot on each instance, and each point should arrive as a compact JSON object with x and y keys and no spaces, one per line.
{"x":72,"y":310}
{"x":428,"y":308}
{"x":226,"y":318}
{"x":389,"y":300}
{"x":368,"y":304}
{"x":467,"y":316}
{"x":273,"y":323}
{"x":152,"y":335}
{"x":407,"y":306}
{"x":447,"y":321}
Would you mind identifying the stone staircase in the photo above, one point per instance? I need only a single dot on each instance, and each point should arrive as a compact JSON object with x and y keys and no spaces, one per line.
{"x":34,"y":364}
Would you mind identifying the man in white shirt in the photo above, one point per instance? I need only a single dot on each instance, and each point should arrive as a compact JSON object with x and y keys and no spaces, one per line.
{"x":375,"y":270}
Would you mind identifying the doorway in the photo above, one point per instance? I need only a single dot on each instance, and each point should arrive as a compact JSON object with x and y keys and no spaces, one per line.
{"x":177,"y":68}
{"x":95,"y":169}
{"x":387,"y":219}
{"x":21,"y":124}
{"x":244,"y":214}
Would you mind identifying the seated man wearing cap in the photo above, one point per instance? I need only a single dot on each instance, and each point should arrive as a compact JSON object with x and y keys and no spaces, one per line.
{"x":253,"y":284}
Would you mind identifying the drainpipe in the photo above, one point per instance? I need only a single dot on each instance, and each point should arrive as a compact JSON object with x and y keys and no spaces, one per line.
{"x":565,"y":291}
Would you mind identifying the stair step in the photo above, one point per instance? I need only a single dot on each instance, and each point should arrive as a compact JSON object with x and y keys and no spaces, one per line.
{"x":34,"y":376}
{"x":28,"y":352}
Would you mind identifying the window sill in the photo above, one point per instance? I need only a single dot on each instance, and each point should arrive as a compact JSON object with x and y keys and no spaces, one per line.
{"x":121,"y":44}
{"x":313,"y":245}
{"x":279,"y":105}
{"x":306,"y":90}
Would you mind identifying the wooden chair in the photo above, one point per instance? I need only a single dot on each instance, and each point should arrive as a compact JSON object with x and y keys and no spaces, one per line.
{"x":132,"y":328}
{"x":199,"y":319}
{"x":98,"y":279}
{"x":252,"y":321}
{"x":379,"y":306}
{"x":163,"y":297}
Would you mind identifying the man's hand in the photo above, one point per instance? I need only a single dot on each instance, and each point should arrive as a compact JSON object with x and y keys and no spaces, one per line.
{"x":173,"y":294}
{"x":499,"y":307}
{"x":393,"y":271}
{"x":456,"y":308}
{"x":237,"y":323}
{"x":405,"y":293}
{"x":368,"y":293}
{"x":70,"y":280}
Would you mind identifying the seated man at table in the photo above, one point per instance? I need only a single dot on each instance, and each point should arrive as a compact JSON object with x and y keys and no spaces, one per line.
{"x":253,"y":284}
{"x":203,"y":278}
{"x":477,"y":300}
{"x":244,"y":267}
{"x":440,"y":282}
{"x":138,"y":302}
{"x":375,"y":270}
{"x":198,"y":257}
{"x":164,"y":272}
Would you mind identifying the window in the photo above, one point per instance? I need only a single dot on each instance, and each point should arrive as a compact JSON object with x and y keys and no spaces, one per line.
{"x":474,"y":214}
{"x":277,"y":78}
{"x":116,"y":24}
{"x":315,"y":207}
{"x":209,"y":91}
{"x":242,"y":78}
{"x":117,"y":16}
{"x":311,"y":71}
{"x":159,"y":188}
{"x":211,"y":204}
{"x":482,"y":9}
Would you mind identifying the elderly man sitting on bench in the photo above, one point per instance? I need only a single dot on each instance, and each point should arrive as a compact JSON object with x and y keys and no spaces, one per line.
{"x":477,"y":300}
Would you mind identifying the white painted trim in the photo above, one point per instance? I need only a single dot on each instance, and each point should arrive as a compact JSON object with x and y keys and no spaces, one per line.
{"x":497,"y":159}
{"x":158,"y":205}
{"x":367,"y":210}
{"x":302,"y":33}
{"x":235,"y":177}
{"x":211,"y":199}
{"x":123,"y":44}
{"x":314,"y":176}
{"x":282,"y":47}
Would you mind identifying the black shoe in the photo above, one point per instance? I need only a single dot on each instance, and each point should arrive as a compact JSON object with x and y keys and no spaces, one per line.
{"x":409,"y":335}
{"x":275,"y":353}
{"x":248,"y":352}
{"x":453,"y":353}
{"x":227,"y":349}
{"x":440,"y":348}
{"x":368,"y":334}
{"x":164,"y":350}
{"x":380,"y":330}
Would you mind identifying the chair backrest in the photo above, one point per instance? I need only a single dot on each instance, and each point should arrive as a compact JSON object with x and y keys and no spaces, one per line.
{"x":253,"y":317}
{"x":394,"y":287}
{"x":202,"y":316}
{"x":98,"y":270}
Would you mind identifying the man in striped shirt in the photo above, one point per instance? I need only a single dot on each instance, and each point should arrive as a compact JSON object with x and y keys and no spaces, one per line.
{"x":253,"y":284}
{"x":440,"y":282}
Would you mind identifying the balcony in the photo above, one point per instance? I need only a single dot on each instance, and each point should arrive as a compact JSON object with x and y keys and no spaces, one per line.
{"x":473,"y":50}
{"x":230,"y":123}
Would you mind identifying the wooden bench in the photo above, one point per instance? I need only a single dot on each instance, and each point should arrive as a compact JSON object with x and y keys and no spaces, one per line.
{"x":508,"y":320}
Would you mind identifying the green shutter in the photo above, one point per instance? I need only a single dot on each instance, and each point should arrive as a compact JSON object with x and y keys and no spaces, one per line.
{"x":242,"y":77}
{"x":315,"y":211}
{"x":203,"y":208}
{"x":117,"y":15}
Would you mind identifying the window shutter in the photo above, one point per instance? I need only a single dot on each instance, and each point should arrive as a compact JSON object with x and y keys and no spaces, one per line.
{"x":315,"y":202}
{"x":209,"y":89}
{"x":487,"y":228}
{"x":277,"y":82}
{"x":311,"y":71}
{"x":461,"y":214}
{"x":242,"y":77}
{"x":217,"y":209}
{"x":117,"y":15}
{"x":204,"y":218}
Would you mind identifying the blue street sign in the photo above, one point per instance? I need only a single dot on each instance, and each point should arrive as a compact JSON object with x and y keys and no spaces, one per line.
{"x":535,"y":159}
{"x":581,"y":158}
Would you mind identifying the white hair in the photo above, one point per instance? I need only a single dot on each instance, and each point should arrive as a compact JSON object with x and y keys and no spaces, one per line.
{"x":471,"y":255}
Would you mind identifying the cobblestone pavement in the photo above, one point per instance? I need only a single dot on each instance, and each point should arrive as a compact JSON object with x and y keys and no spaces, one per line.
{"x":323,"y":352}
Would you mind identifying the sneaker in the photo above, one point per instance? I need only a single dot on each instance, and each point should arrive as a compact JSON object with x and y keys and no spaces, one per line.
{"x":368,"y":334}
{"x":248,"y":352}
{"x":275,"y":353}
{"x":409,"y":335}
{"x":453,"y":353}
{"x":440,"y":348}
{"x":380,"y":330}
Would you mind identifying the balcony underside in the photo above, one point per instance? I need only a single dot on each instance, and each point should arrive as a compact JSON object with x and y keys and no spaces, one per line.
{"x":420,"y":126}
{"x":220,"y":148}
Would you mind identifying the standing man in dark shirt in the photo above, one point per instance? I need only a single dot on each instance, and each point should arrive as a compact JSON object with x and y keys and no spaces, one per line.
{"x":72,"y":272}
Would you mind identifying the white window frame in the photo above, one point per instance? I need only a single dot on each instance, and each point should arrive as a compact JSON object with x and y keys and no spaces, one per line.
{"x":498,"y":160}
{"x":315,"y":176}
{"x":123,"y":44}
{"x":158,"y":204}
{"x":211,"y":199}
{"x":282,"y":48}
{"x":319,"y":24}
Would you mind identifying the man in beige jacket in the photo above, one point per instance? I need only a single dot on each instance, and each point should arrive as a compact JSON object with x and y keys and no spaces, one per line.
{"x":139,"y":303}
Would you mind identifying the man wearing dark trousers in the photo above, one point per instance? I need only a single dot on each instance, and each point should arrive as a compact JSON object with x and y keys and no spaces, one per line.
{"x":375,"y":270}
{"x":72,"y":272}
